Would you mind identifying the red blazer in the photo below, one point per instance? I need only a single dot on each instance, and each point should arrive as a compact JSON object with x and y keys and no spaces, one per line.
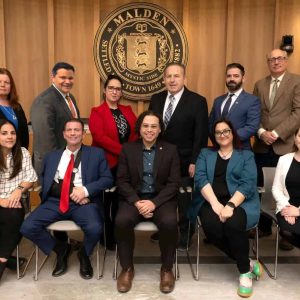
{"x":105,"y":133}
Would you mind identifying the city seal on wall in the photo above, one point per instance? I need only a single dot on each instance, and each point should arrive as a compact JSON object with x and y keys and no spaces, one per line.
{"x":136,"y":42}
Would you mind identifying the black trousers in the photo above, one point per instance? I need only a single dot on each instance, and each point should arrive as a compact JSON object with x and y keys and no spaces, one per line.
{"x":230,"y":237}
{"x":269,"y":159}
{"x":164,"y":217}
{"x":10,"y":222}
{"x":290,"y":232}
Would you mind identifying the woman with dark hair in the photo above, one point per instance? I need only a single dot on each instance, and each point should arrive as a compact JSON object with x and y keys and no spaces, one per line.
{"x":286,"y":193}
{"x":111,"y":125}
{"x":227,"y":201}
{"x":10,"y":108}
{"x":16,"y":177}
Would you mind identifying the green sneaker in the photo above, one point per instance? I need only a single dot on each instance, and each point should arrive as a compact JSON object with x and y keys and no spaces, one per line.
{"x":245,"y":291}
{"x":256,"y":269}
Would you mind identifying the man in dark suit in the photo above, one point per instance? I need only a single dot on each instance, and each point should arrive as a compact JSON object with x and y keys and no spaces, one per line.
{"x":147,"y":179}
{"x":279,"y":93}
{"x":50,"y":111}
{"x":185,"y":117}
{"x":239,"y":107}
{"x":81,"y":173}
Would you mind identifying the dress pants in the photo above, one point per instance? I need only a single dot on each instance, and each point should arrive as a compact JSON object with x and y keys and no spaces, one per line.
{"x":164,"y":217}
{"x":230,"y":237}
{"x":87,"y":216}
{"x":289,"y":232}
{"x":10,"y":222}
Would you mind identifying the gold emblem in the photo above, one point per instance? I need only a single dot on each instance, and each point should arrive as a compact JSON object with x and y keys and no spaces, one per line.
{"x":136,"y":42}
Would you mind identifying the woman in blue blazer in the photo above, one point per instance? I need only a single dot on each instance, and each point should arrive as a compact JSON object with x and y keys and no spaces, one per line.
{"x":227,"y":201}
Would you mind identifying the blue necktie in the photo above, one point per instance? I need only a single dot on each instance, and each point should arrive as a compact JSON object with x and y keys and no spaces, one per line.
{"x":227,"y":106}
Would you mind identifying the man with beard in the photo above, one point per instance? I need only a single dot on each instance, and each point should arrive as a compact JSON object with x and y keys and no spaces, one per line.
{"x":237,"y":106}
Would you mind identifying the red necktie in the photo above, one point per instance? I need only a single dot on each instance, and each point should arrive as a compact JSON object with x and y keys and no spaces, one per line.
{"x":71,"y":106}
{"x":65,"y":190}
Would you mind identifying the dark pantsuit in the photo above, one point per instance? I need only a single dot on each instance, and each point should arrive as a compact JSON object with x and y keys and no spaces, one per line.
{"x":269,"y":159}
{"x":290,"y":232}
{"x":165,"y":218}
{"x":10,"y":222}
{"x":87,"y":216}
{"x":230,"y":237}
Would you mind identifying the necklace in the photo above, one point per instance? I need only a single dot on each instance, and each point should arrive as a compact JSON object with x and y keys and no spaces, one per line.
{"x":12,"y":113}
{"x":225,"y":155}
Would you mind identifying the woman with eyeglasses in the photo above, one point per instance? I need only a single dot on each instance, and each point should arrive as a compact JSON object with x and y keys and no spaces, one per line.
{"x":111,"y":125}
{"x":10,"y":108}
{"x":226,"y":200}
{"x":16,"y":177}
{"x":286,"y":193}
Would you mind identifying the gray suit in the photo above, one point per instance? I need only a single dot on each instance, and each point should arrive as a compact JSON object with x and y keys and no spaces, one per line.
{"x":49,"y":113}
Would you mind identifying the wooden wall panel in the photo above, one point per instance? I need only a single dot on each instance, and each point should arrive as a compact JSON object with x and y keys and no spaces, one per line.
{"x":26,"y":47}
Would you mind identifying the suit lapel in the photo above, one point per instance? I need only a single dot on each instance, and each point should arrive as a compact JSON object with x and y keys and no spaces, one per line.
{"x":139,"y":158}
{"x":282,"y":87}
{"x":235,"y":157}
{"x":159,"y":153}
{"x":266,"y":92}
{"x":237,"y":102}
{"x":84,"y":162}
{"x":180,"y":107}
{"x":211,"y":164}
{"x":63,"y":102}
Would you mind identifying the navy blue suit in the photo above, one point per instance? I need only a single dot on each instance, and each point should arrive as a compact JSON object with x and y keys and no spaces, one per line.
{"x":96,"y":177}
{"x":244,"y":116}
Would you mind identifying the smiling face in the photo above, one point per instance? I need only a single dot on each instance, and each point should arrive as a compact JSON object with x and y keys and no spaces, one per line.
{"x":174,"y":77}
{"x":150,"y":130}
{"x":73,"y":134}
{"x":64,"y":80}
{"x":277,"y":62}
{"x":5,"y":86}
{"x":223,"y":135}
{"x":113,"y":92}
{"x":8,"y":137}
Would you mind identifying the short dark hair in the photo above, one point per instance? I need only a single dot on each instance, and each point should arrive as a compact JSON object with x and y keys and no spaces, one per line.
{"x":141,"y":118}
{"x":111,"y":77}
{"x":75,"y":121}
{"x":236,"y":140}
{"x":175,"y":64}
{"x":295,"y":149}
{"x":62,"y":65}
{"x":237,"y":66}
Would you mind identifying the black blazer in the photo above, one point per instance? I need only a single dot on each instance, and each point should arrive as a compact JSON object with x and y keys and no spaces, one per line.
{"x":22,"y":125}
{"x":188,"y":126}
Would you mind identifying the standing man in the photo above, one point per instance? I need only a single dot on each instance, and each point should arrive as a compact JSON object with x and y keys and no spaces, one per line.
{"x":73,"y":180}
{"x":185,"y":117}
{"x":280,"y":117}
{"x":50,"y":111}
{"x":237,"y":106}
{"x":148,"y":179}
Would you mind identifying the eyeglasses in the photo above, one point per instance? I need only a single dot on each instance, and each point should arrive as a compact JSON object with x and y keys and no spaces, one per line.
{"x":224,"y":132}
{"x":116,"y":89}
{"x":272,"y":60}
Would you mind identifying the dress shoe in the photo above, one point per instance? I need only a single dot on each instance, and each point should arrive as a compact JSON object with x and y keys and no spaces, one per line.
{"x":285,"y":245}
{"x":167,"y":281}
{"x":62,"y":262}
{"x":155,"y":237}
{"x":12,"y":262}
{"x":251,"y":234}
{"x":86,"y":269}
{"x":124,"y":281}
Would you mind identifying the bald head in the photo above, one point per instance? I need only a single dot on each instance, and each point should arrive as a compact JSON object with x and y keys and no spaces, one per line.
{"x":277,"y":61}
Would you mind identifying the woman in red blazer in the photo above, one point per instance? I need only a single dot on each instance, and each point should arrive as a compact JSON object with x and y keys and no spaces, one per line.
{"x":111,"y":125}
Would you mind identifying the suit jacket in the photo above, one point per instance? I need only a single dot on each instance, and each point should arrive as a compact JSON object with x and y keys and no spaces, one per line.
{"x":240,"y":176}
{"x":188,"y":126}
{"x":244,"y":116}
{"x":105,"y":133}
{"x":22,"y":125}
{"x":95,"y":172}
{"x":283,"y":117}
{"x":279,"y":190}
{"x":166,"y":172}
{"x":49,"y":112}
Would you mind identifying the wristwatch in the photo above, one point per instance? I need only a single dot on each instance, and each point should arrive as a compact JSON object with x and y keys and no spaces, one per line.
{"x":231,"y":204}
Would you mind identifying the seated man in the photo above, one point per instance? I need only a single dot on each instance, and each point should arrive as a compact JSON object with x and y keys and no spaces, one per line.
{"x":147,"y":179}
{"x":72,"y":183}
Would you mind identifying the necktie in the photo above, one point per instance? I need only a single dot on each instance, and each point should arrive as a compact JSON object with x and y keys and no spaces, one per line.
{"x":71,"y":106}
{"x":273,"y":92}
{"x":227,"y":106}
{"x":169,"y":111}
{"x":65,"y":190}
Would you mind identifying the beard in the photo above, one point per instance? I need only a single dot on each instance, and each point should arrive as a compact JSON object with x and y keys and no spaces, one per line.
{"x":233,"y":86}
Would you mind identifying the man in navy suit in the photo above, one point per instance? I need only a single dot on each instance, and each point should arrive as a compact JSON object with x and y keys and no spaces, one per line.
{"x":90,"y":176}
{"x":238,"y":106}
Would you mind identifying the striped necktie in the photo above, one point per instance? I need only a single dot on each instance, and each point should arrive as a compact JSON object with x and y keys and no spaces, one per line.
{"x":273,"y":92}
{"x":169,"y":111}
{"x":71,"y":106}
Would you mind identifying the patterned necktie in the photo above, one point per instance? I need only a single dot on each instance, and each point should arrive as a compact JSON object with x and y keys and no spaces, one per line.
{"x":227,"y":106}
{"x":169,"y":110}
{"x":71,"y":107}
{"x":273,"y":92}
{"x":65,"y":190}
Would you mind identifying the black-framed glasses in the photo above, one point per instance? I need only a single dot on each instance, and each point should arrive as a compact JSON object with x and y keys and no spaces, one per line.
{"x":224,"y":132}
{"x":112,"y":88}
{"x":272,"y":60}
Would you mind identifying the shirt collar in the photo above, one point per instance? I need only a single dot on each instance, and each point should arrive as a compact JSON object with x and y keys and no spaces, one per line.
{"x":64,"y":95}
{"x":178,"y":95}
{"x":69,"y":152}
{"x":153,"y":147}
{"x":236,"y":93}
{"x":278,"y":78}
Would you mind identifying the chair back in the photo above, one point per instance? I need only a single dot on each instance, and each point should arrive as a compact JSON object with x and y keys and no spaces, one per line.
{"x":268,"y":205}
